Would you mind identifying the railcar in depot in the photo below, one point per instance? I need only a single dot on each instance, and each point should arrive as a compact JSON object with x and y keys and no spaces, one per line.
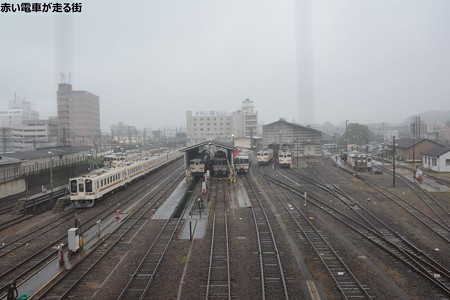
{"x":358,"y":161}
{"x":197,"y":166}
{"x":242,"y":162}
{"x":220,"y":164}
{"x":264,"y":157}
{"x":86,"y":189}
{"x":285,"y":158}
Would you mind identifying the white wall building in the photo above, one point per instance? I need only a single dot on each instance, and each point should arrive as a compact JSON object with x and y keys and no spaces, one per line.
{"x":437,"y":159}
{"x":30,"y":135}
{"x":250,"y":118}
{"x":388,"y":135}
{"x":17,"y":112}
{"x":223,"y":126}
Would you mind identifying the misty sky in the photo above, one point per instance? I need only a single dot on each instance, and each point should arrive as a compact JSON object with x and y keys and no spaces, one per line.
{"x":150,"y":61}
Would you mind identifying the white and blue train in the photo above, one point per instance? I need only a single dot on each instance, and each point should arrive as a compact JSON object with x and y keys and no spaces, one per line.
{"x":84,"y":190}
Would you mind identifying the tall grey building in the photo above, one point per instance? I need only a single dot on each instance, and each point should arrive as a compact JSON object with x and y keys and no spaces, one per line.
{"x":78,"y":116}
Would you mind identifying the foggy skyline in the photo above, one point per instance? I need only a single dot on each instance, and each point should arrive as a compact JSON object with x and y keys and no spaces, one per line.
{"x":312,"y":62}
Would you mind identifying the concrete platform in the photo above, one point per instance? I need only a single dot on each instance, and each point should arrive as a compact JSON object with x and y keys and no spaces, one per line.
{"x":427,"y":184}
{"x":195,"y":224}
{"x":36,"y":281}
{"x":238,"y":195}
{"x":166,"y":209}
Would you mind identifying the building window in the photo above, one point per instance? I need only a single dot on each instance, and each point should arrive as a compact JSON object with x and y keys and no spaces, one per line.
{"x":434,"y":162}
{"x":447,"y":162}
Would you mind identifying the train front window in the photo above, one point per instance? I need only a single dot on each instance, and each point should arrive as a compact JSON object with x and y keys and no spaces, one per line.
{"x":73,"y":186}
{"x":81,"y":187}
{"x":88,"y":184}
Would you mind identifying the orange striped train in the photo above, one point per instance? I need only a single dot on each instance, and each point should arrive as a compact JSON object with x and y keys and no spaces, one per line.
{"x":86,"y":189}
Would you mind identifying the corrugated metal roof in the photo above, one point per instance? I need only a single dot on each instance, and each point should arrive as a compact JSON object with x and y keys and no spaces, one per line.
{"x":228,"y":146}
{"x":8,"y":160}
{"x":407,"y":143}
{"x":40,"y":153}
{"x":436,"y":152}
{"x":292,"y":124}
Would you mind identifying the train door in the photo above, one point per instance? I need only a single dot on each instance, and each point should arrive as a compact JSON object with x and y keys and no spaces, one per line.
{"x":81,"y":189}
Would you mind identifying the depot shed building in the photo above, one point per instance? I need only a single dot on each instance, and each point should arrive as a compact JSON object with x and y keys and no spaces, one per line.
{"x":303,"y":141}
{"x":208,"y":148}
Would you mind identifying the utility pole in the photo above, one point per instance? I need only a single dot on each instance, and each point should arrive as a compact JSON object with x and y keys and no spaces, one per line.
{"x":251,"y":138}
{"x":50,"y":154}
{"x":346,"y":141}
{"x":393,"y":162}
{"x":4,"y":140}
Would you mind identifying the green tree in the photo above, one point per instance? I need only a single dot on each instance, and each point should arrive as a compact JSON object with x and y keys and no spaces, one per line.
{"x":358,"y":134}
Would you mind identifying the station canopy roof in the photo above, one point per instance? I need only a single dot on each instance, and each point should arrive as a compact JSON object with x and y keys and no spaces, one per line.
{"x":227,"y":146}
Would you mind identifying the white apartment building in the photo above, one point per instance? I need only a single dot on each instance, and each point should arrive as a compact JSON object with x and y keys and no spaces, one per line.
{"x":389,"y":135}
{"x":223,"y":126}
{"x":30,"y":135}
{"x":250,"y":117}
{"x":17,"y":112}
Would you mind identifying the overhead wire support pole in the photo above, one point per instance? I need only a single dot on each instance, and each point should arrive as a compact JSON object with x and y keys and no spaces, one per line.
{"x":346,"y":141}
{"x":393,"y":162}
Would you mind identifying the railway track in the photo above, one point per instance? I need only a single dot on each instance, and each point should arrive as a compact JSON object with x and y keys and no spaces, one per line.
{"x":218,"y":283}
{"x":18,"y":267}
{"x":273,"y":282}
{"x":142,"y":278}
{"x":433,"y":216}
{"x":67,"y":283}
{"x":429,"y":220}
{"x":343,"y":277}
{"x":384,"y":237}
{"x":435,"y":207}
{"x":18,"y":219}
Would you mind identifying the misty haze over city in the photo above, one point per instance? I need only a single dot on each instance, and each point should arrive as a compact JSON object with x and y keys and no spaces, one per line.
{"x":308,"y":62}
